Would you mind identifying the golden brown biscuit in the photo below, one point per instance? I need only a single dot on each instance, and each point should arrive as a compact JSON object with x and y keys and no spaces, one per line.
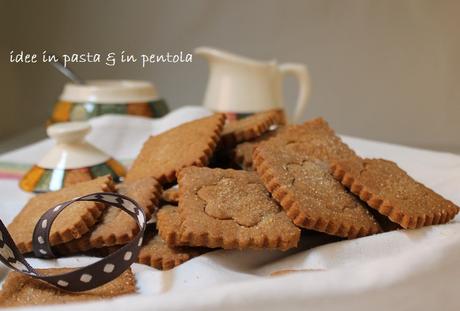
{"x":242,"y":154}
{"x":293,"y":167}
{"x":71,"y":224}
{"x":156,"y":253}
{"x":393,"y":193}
{"x":228,"y":209}
{"x":315,"y":138}
{"x":163,"y":155}
{"x":22,"y":290}
{"x":116,"y":227}
{"x":77,"y":176}
{"x":171,"y":195}
{"x":168,"y":225}
{"x":249,"y":128}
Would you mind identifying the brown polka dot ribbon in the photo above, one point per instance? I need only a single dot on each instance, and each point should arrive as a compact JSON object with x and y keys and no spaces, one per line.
{"x":84,"y":278}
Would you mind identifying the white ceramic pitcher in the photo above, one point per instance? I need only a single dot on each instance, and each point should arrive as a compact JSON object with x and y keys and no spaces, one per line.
{"x":241,"y":86}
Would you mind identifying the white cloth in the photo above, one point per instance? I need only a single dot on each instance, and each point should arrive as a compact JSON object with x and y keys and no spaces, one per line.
{"x":400,"y":270}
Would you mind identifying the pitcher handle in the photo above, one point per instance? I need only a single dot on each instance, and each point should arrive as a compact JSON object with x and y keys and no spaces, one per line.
{"x":301,"y":73}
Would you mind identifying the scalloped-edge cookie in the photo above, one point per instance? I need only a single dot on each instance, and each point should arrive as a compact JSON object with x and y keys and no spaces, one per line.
{"x":189,"y":144}
{"x":72,"y":223}
{"x":171,"y":195}
{"x":156,"y":253}
{"x":316,"y":139}
{"x":384,"y":186}
{"x":168,"y":225}
{"x":115,"y":226}
{"x":242,"y":153}
{"x":249,"y":128}
{"x":227,"y":209}
{"x":303,"y":186}
{"x":22,"y":290}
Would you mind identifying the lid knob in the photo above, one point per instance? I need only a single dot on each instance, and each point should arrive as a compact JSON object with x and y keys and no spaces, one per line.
{"x":68,"y":132}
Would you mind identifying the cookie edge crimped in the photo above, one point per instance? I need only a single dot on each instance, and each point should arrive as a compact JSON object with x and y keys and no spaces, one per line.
{"x":231,"y":139}
{"x":241,"y":160}
{"x":203,"y":160}
{"x":170,"y":239}
{"x":79,"y":229}
{"x":165,"y":262}
{"x":383,"y":206}
{"x":21,"y":280}
{"x":239,"y":157}
{"x":85,"y":244}
{"x":160,"y":263}
{"x":289,"y":204}
{"x":170,"y":196}
{"x":112,"y":240}
{"x":180,"y":238}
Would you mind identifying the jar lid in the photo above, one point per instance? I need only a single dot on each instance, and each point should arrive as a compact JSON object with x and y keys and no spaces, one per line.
{"x":71,"y":160}
{"x":110,"y":92}
{"x":71,"y":150}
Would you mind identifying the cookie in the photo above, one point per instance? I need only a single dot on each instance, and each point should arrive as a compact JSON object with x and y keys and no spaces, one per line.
{"x":156,"y":253}
{"x":242,"y":154}
{"x":227,"y":209}
{"x":146,"y":192}
{"x":393,"y":193}
{"x":249,"y":128}
{"x":280,"y":117}
{"x":317,"y":139}
{"x":163,"y":155}
{"x":116,"y":227}
{"x":71,"y":224}
{"x":76,"y":176}
{"x":171,"y":195}
{"x":22,"y":290}
{"x":168,"y":225}
{"x":303,"y":186}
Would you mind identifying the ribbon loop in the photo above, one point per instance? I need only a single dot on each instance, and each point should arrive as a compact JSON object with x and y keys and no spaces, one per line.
{"x":85,"y":278}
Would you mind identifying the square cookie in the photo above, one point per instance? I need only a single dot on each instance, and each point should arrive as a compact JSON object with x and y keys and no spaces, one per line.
{"x":393,"y":193}
{"x":115,"y":226}
{"x":191,"y":143}
{"x":156,"y":253}
{"x":250,"y":127}
{"x":22,"y":290}
{"x":294,"y":168}
{"x":228,"y":209}
{"x":171,"y":196}
{"x":316,"y":139}
{"x":72,"y":223}
{"x":242,"y":153}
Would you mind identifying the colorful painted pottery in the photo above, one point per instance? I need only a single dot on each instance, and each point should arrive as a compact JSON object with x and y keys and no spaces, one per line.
{"x":70,"y":161}
{"x":80,"y":102}
{"x":239,"y":86}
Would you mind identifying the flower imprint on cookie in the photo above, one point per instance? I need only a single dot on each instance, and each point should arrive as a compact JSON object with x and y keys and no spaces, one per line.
{"x":245,"y":203}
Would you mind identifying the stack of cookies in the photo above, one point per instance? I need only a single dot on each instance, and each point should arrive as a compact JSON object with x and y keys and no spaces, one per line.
{"x":252,"y":183}
{"x":256,"y":182}
{"x":269,"y":180}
